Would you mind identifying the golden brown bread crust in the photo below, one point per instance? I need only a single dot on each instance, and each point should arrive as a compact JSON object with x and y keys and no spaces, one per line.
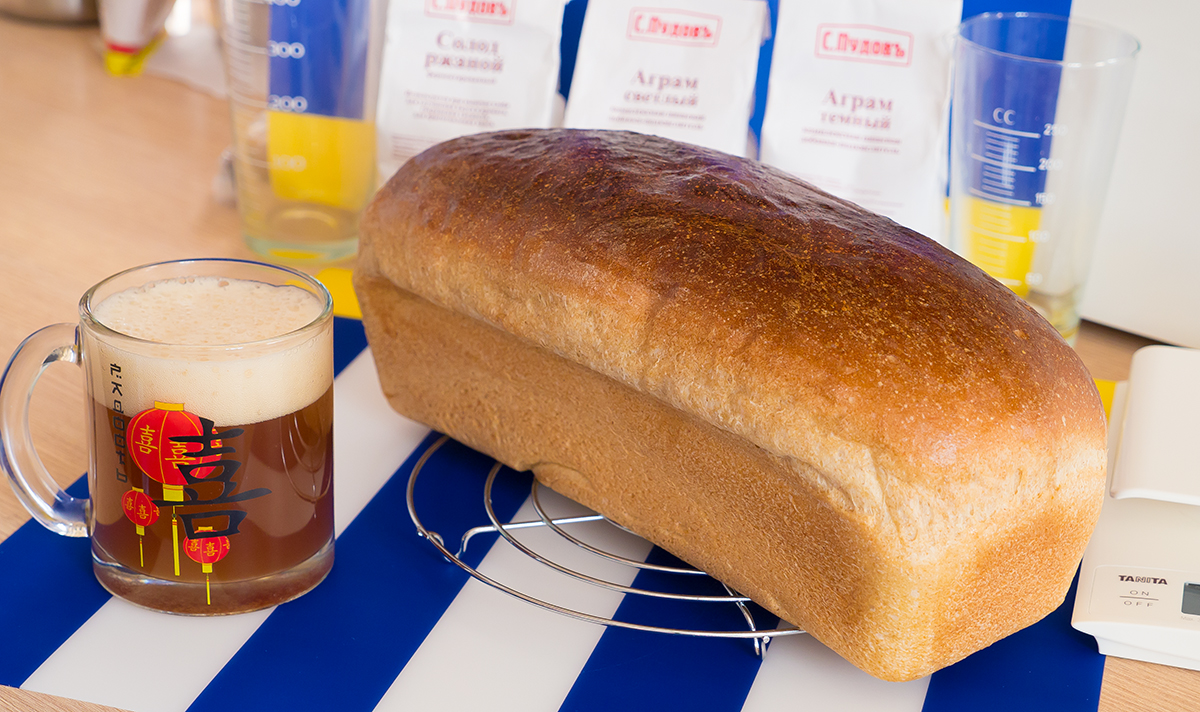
{"x":828,"y":411}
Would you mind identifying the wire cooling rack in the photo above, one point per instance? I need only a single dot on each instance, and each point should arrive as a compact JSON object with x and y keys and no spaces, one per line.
{"x":575,"y":529}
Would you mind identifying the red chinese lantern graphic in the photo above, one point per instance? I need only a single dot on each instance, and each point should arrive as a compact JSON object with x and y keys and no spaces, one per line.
{"x":139,"y":509}
{"x":206,"y":552}
{"x":150,"y":445}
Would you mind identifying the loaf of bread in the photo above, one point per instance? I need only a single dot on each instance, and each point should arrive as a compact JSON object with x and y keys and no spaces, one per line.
{"x":829,"y":412}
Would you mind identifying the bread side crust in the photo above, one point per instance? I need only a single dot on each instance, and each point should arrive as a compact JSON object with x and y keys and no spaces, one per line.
{"x":748,"y":516}
{"x":929,"y":399}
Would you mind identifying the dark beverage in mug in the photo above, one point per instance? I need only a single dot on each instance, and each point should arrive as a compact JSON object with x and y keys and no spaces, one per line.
{"x":212,"y":458}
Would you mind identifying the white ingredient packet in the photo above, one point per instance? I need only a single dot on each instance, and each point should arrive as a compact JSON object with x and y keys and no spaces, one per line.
{"x":680,"y":69}
{"x":458,"y":67}
{"x":858,"y":103}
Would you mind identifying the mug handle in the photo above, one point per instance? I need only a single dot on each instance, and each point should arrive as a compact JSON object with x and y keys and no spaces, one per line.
{"x":46,"y":501}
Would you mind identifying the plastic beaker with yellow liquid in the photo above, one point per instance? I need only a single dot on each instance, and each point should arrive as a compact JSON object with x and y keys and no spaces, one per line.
{"x":1036,"y":113}
{"x":302,"y":77}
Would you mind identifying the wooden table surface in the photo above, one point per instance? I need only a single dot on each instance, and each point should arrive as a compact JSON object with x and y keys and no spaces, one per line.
{"x":98,"y":174}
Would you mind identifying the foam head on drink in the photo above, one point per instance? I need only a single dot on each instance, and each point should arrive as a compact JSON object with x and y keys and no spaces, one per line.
{"x":250,"y":384}
{"x":235,"y":357}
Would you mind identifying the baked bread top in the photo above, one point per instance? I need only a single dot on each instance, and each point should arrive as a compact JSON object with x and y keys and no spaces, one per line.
{"x":923,"y":398}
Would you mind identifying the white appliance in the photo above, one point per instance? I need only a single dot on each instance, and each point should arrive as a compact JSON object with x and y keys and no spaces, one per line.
{"x":1147,"y":256}
{"x":1139,"y":585}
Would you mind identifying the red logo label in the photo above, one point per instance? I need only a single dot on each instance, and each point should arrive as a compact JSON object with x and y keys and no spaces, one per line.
{"x":865,"y":43}
{"x":678,"y":27}
{"x":496,"y":12}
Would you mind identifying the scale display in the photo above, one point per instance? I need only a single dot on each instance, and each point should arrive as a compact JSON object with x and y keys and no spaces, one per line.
{"x":1191,"y":599}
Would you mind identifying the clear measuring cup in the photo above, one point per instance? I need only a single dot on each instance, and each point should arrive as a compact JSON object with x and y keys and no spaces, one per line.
{"x":303,"y":79}
{"x":1037,"y":109}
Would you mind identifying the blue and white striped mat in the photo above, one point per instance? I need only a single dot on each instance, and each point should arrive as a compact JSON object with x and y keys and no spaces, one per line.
{"x":396,"y":627}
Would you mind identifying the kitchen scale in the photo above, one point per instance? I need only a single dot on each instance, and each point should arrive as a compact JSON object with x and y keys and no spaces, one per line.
{"x":1139,"y":585}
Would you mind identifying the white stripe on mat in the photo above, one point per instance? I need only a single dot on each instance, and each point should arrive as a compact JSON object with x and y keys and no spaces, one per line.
{"x":799,"y":671}
{"x":127,"y":657}
{"x":517,"y":655}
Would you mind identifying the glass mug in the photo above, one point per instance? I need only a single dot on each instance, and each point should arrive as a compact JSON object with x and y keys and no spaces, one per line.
{"x":210,"y":411}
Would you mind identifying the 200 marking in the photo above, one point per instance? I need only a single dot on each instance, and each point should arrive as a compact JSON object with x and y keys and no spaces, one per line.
{"x":295,"y":104}
{"x":287,"y":50}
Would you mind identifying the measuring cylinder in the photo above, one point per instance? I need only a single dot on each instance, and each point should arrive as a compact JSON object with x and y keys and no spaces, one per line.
{"x":1035,"y":116}
{"x":320,"y":145}
{"x":1005,"y":114}
{"x":303,"y":77}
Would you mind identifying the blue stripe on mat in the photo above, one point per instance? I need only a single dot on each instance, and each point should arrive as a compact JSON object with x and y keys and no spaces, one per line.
{"x":340,"y":646}
{"x":637,"y":670}
{"x":48,"y":591}
{"x":1047,"y":666}
{"x":349,"y":340}
{"x":48,"y":588}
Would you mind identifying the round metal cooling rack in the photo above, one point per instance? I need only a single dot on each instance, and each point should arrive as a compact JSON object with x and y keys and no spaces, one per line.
{"x":558,"y":525}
